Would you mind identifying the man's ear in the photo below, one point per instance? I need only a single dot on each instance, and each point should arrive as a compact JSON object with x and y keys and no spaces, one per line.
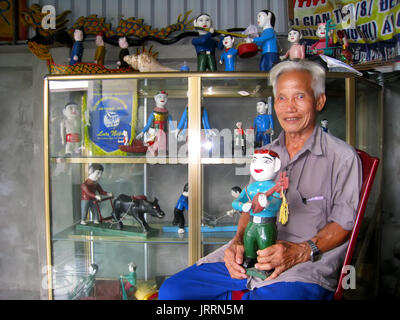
{"x":320,"y":102}
{"x":277,"y":166}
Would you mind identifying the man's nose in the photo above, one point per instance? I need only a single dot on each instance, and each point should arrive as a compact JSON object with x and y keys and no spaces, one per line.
{"x":291,"y":105}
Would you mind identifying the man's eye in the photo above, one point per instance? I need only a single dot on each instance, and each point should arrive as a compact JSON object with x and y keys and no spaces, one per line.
{"x":300,"y":96}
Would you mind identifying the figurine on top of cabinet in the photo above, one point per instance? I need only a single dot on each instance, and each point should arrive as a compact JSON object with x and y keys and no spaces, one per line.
{"x":204,"y":44}
{"x":100,"y":49}
{"x":325,"y":41}
{"x":159,"y":120}
{"x":345,"y":53}
{"x":297,"y":50}
{"x":267,"y":41}
{"x":263,"y":125}
{"x":88,"y":193}
{"x":70,"y":129}
{"x":128,"y":282}
{"x":77,"y":48}
{"x":228,"y":56}
{"x":123,"y":44}
{"x":239,"y":138}
{"x":262,"y":199}
{"x":181,"y":205}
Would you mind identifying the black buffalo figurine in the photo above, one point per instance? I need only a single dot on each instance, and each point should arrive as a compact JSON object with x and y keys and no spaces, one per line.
{"x":136,"y":206}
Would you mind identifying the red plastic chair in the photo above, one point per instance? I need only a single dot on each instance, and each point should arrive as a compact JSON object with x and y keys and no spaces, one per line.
{"x":369,"y":168}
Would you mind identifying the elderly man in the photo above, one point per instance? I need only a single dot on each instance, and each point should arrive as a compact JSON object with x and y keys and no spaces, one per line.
{"x":325,"y":181}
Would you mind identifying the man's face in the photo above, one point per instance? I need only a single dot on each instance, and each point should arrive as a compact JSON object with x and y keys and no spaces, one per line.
{"x":263,"y":167}
{"x":295,"y":104}
{"x":161,"y":99}
{"x":294,"y":36}
{"x":203,"y":21}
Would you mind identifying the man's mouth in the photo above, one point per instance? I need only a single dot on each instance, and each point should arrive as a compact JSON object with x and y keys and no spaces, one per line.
{"x":291,"y":119}
{"x":205,"y":26}
{"x":258,"y":170}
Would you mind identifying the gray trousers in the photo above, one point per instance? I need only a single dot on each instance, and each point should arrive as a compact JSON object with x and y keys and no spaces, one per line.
{"x":85,"y":205}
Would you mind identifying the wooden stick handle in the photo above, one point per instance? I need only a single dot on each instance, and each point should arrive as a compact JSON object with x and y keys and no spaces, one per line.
{"x":234,"y":34}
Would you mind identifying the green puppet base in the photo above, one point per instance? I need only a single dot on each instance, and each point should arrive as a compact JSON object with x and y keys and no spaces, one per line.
{"x":104,"y":229}
{"x":258,"y":273}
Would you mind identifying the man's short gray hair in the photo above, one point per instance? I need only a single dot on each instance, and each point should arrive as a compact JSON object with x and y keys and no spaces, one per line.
{"x":317,"y":73}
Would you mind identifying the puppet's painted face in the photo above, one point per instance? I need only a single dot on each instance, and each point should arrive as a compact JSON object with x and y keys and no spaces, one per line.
{"x":71,"y":111}
{"x":263,"y":19}
{"x":123,"y":43}
{"x":261,"y":107}
{"x":264,"y":166}
{"x":95,"y":175}
{"x":161,"y":99}
{"x":131,"y":267}
{"x":78,"y":35}
{"x":99,"y":41}
{"x":204,"y":21}
{"x":294,"y":36}
{"x":235,"y":194}
{"x":321,"y":31}
{"x":228,"y":42}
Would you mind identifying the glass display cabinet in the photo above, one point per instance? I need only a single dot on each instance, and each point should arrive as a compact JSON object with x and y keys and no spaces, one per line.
{"x":95,"y":119}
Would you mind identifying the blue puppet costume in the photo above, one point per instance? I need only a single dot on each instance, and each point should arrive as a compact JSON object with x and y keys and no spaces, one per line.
{"x":180,"y":207}
{"x":183,"y":123}
{"x":267,"y":41}
{"x":260,"y":232}
{"x":263,"y":125}
{"x":228,"y":56}
{"x":77,"y":49}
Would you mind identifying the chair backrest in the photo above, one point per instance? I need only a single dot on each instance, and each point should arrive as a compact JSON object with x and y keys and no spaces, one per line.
{"x":369,"y":168}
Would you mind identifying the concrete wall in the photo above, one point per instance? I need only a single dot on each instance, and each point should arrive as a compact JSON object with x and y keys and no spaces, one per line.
{"x":21,"y":167}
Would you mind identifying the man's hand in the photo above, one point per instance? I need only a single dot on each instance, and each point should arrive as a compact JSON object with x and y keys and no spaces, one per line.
{"x":282,"y":256}
{"x":233,"y":258}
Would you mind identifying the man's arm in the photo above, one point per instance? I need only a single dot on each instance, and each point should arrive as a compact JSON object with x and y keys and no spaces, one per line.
{"x":284,"y":255}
